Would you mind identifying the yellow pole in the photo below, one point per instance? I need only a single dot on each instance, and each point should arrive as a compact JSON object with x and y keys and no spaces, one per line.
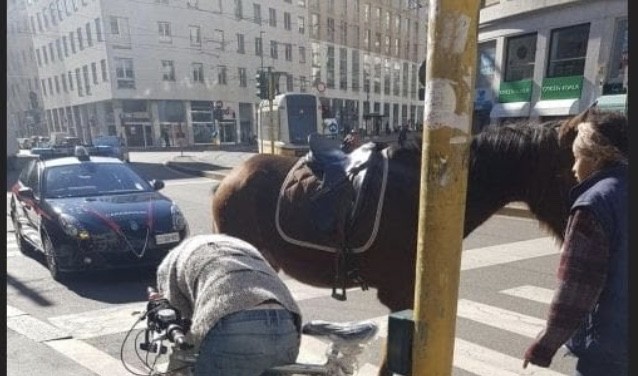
{"x":449,"y":92}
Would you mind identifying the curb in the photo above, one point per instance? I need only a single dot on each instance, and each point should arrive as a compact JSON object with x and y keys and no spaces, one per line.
{"x":191,"y":171}
{"x":515,"y":211}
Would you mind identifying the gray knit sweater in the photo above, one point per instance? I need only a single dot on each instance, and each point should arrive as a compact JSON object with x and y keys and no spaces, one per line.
{"x":208,"y":277}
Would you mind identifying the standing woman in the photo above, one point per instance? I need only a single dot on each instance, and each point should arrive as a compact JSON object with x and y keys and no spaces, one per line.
{"x":589,"y":311}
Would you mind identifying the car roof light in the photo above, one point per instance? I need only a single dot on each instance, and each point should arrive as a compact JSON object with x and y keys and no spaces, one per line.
{"x":81,"y":153}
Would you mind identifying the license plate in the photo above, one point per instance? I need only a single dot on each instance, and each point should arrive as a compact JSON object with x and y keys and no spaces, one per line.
{"x":172,"y":237}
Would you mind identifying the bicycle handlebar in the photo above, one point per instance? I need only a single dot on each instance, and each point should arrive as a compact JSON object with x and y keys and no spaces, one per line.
{"x":165,"y":319}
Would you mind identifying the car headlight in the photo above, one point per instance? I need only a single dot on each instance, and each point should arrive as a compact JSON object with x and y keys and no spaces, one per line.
{"x":179,"y":221}
{"x":71,"y":225}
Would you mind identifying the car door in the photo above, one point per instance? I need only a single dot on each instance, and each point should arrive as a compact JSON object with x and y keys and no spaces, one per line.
{"x":33,"y":208}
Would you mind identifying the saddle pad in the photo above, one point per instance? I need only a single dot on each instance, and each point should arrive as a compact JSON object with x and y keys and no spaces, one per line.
{"x":295,"y":219}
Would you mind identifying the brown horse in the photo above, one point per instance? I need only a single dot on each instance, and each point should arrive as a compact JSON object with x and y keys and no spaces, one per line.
{"x":522,"y":162}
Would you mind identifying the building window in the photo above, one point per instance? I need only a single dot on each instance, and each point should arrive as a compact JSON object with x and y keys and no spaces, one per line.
{"x":355,"y":71}
{"x":168,"y":70}
{"x":44,"y":87}
{"x":57,"y":85}
{"x":164,"y":29}
{"x":124,"y":73}
{"x":89,"y":39}
{"x":78,"y":81}
{"x":330,"y":67}
{"x":287,"y":21}
{"x":94,"y":73}
{"x":115,"y":27}
{"x":343,"y":32}
{"x":63,"y":79}
{"x":39,"y":17}
{"x":80,"y":42}
{"x":104,"y":71}
{"x":521,"y":54}
{"x":198,"y":72}
{"x":302,"y":54}
{"x":486,"y":61}
{"x":314,"y":26}
{"x":387,"y":72}
{"x":301,"y":23}
{"x":70,"y":76}
{"x":45,"y":55}
{"x":272,"y":17}
{"x":51,"y":54}
{"x":72,"y":41}
{"x":289,"y":85}
{"x":98,"y":30}
{"x":87,"y":84}
{"x":377,"y":75}
{"x":221,"y":75}
{"x":220,"y":40}
{"x":303,"y":84}
{"x":65,"y":45}
{"x":568,"y":51}
{"x":257,"y":13}
{"x":618,"y":66}
{"x":259,"y":47}
{"x":58,"y":48}
{"x":39,"y":57}
{"x":288,"y":51}
{"x":195,"y":35}
{"x":243,"y":81}
{"x":239,"y":9}
{"x":241,"y":48}
{"x":274,"y":53}
{"x":331,"y":29}
{"x":343,"y":69}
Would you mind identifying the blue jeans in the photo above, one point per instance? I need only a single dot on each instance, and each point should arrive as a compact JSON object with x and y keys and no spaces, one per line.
{"x":247,"y":343}
{"x":590,"y":366}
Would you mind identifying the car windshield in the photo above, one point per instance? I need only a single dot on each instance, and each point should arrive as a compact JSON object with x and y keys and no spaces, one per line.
{"x":109,"y":141}
{"x":92,"y":179}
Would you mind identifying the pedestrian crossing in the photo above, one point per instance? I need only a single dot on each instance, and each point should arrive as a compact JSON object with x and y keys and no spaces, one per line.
{"x":469,"y":357}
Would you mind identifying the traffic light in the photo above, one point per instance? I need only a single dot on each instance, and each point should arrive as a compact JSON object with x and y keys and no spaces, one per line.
{"x":261,"y":84}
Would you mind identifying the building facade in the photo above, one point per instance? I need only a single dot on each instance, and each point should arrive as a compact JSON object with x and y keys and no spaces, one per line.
{"x":24,"y":99}
{"x":550,"y":59}
{"x":183,"y":72}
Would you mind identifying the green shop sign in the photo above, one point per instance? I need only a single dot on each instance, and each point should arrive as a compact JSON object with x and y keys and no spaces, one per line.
{"x":515,"y":91}
{"x":562,"y":87}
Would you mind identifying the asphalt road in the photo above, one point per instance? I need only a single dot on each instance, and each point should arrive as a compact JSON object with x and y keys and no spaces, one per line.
{"x":507,"y":277}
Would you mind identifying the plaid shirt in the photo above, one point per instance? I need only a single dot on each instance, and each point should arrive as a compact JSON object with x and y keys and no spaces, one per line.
{"x":582,"y":273}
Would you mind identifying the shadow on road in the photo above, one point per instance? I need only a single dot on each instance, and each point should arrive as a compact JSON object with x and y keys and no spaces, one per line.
{"x":28,"y":292}
{"x":150,"y":171}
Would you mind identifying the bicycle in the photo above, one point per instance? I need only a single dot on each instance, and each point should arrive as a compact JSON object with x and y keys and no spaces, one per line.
{"x":346,"y":341}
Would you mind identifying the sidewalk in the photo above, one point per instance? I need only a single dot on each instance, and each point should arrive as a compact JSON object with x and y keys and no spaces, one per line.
{"x":217,"y":164}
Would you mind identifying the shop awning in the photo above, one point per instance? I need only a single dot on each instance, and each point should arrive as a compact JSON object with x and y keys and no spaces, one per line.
{"x":617,"y":102}
{"x":558,"y":107}
{"x":512,"y":109}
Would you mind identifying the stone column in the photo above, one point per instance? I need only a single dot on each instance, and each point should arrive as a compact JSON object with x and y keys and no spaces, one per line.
{"x":190,"y":134}
{"x":157,"y":131}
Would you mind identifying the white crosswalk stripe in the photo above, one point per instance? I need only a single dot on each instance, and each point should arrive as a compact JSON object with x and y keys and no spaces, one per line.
{"x":471,"y":357}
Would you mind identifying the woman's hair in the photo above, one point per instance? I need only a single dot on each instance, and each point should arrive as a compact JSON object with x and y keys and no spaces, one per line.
{"x":602,"y":136}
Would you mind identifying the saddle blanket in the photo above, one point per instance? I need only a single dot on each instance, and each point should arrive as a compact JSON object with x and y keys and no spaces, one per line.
{"x":356,"y":207}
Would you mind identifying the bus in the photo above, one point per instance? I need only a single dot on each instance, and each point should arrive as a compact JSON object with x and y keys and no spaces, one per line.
{"x":294,"y":117}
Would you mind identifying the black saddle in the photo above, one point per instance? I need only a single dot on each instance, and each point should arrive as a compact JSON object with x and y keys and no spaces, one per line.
{"x":342,"y":333}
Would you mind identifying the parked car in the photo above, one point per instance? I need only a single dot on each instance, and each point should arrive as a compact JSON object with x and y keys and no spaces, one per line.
{"x":116,"y":148}
{"x":86,"y":213}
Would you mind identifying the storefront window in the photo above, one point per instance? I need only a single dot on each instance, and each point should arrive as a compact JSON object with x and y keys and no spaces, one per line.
{"x":568,"y":51}
{"x":203,"y":126}
{"x":487,"y":53}
{"x":521,"y":53}
{"x":619,"y":62}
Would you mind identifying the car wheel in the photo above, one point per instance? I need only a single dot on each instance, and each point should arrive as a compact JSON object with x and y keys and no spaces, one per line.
{"x":23,"y":245}
{"x":52,"y":262}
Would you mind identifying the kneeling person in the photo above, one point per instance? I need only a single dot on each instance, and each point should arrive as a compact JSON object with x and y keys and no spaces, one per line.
{"x":244,"y":318}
